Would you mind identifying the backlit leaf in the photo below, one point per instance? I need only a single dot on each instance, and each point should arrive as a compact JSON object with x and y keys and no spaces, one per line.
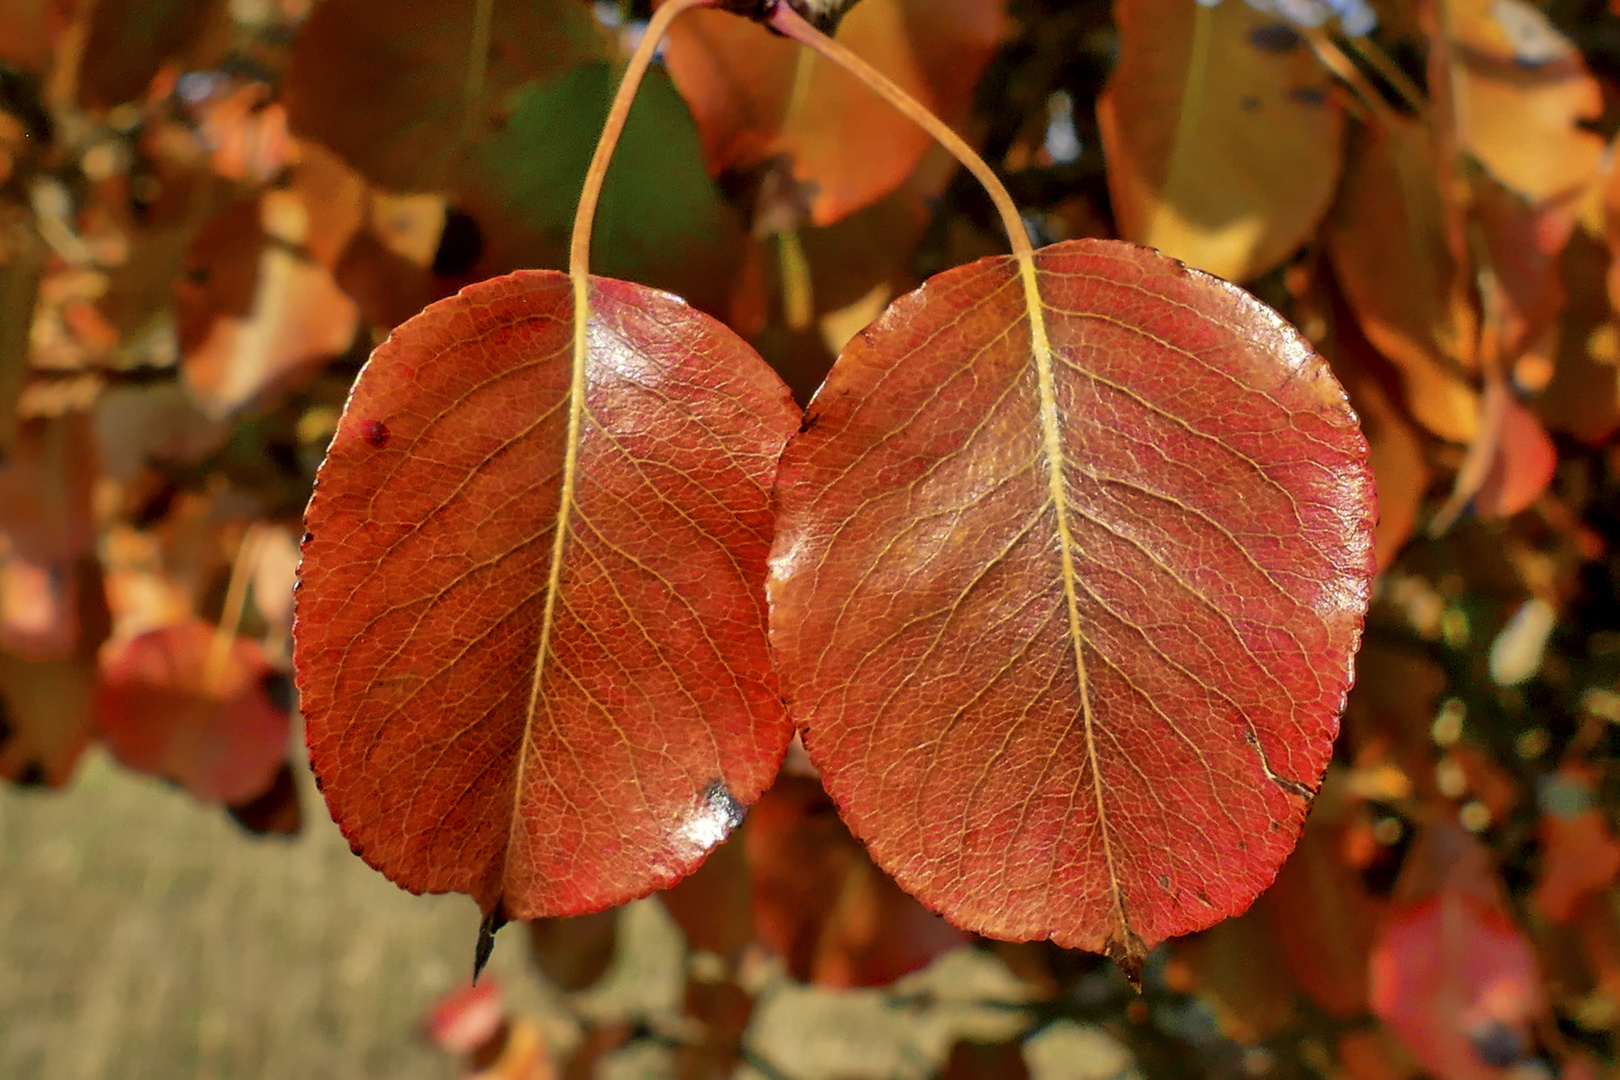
{"x":552,"y":726}
{"x":1071,"y":663}
{"x":1386,"y":239}
{"x":756,"y":96}
{"x":1523,"y":95}
{"x":1223,"y":145}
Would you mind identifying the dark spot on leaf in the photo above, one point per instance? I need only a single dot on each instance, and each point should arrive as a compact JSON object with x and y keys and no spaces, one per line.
{"x":32,"y":775}
{"x":1308,"y":95}
{"x":1276,"y":37}
{"x":1164,"y":882}
{"x":375,"y":432}
{"x":6,"y":730}
{"x":308,"y":536}
{"x":1243,"y":845}
{"x":1250,"y":103}
{"x":461,"y":244}
{"x":725,"y":809}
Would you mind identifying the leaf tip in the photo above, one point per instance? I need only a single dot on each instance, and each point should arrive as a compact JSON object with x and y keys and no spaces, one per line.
{"x":486,"y":937}
{"x":1129,"y":954}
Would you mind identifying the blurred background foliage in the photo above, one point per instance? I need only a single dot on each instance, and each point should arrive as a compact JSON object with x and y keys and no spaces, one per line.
{"x":210,"y":211}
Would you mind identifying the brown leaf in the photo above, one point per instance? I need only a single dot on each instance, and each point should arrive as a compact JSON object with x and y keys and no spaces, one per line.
{"x":755,"y":96}
{"x":44,"y":718}
{"x":45,"y":490}
{"x":575,"y":952}
{"x":1223,"y":140}
{"x":275,"y":812}
{"x":713,"y":907}
{"x":388,"y":94}
{"x":1320,"y":911}
{"x":297,"y":320}
{"x":129,"y":40}
{"x":1386,"y":239}
{"x":820,"y":904}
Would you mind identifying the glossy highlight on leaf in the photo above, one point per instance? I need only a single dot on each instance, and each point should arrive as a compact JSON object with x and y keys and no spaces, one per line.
{"x":551,"y":739}
{"x":1106,"y":735}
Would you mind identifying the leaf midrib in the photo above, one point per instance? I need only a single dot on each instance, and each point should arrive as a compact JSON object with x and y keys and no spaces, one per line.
{"x":565,"y":505}
{"x":1057,"y":492}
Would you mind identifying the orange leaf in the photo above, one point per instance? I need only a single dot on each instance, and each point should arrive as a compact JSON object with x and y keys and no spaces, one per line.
{"x":755,"y":96}
{"x":1223,"y":143}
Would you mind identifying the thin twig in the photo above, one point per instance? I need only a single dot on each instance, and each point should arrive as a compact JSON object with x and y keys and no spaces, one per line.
{"x":1482,"y":452}
{"x":230,"y":616}
{"x":1372,"y":52}
{"x":472,"y":94}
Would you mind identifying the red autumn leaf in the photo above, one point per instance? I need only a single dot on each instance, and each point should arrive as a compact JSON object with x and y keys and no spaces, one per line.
{"x":1522,"y":466}
{"x":171,"y":703}
{"x":1450,"y":972}
{"x":1070,"y":654}
{"x":551,"y":725}
{"x":467,"y":1017}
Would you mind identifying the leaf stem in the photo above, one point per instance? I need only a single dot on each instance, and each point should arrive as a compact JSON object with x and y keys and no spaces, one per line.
{"x":230,"y":615}
{"x":472,"y":94}
{"x":579,"y":250}
{"x":792,"y":25}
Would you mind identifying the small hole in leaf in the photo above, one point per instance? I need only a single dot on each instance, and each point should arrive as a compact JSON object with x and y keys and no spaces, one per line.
{"x":461,"y":244}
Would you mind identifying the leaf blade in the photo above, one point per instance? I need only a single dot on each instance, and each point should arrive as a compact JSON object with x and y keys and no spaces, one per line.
{"x":651,"y":708}
{"x":941,"y":698}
